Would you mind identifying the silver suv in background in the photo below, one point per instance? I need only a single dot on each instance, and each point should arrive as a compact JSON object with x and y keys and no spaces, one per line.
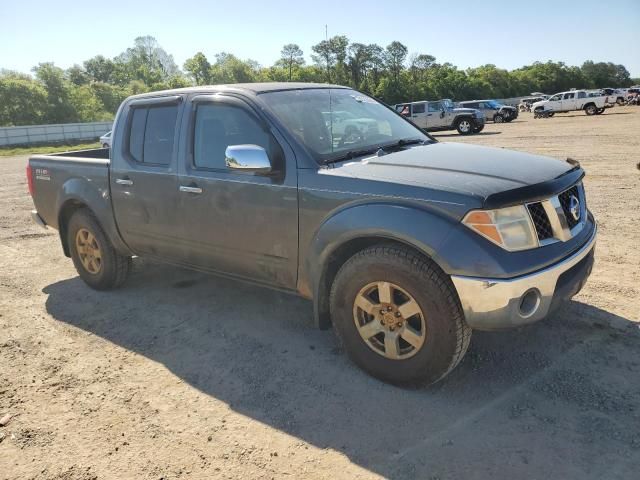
{"x":493,"y":111}
{"x":442,"y":115}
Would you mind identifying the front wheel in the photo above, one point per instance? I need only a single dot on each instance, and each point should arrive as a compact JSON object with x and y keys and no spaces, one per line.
{"x":478,"y":129}
{"x":398,"y":316}
{"x":498,"y":119}
{"x":600,"y":111}
{"x":93,"y":254}
{"x":464,"y":126}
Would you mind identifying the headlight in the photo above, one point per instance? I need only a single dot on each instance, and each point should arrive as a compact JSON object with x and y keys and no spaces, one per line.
{"x":509,"y":228}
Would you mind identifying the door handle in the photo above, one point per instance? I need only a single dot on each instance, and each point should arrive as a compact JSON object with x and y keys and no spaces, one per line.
{"x":190,"y":189}
{"x":124,"y":181}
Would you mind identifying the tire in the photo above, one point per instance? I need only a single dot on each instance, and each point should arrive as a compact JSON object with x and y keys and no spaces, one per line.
{"x":445,"y":335}
{"x":590,"y":109}
{"x":600,"y":111}
{"x":498,"y":119}
{"x":464,"y":126}
{"x":551,"y":114}
{"x":478,"y":129}
{"x":104,"y":270}
{"x":105,"y":145}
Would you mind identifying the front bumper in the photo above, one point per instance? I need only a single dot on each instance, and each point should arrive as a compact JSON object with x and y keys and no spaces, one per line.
{"x":494,"y":304}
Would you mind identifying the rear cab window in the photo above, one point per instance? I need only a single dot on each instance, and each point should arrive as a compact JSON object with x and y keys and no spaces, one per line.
{"x":152,"y":133}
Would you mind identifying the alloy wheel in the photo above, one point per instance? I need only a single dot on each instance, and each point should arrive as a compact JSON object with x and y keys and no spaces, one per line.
{"x":389,"y":320}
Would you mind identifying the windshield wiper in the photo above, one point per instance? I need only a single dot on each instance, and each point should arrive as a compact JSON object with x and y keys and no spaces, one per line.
{"x":348,"y":155}
{"x":403,"y":142}
{"x":379,"y":149}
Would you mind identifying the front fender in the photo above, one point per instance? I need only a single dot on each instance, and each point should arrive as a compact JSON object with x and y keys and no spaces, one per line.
{"x":421,"y":229}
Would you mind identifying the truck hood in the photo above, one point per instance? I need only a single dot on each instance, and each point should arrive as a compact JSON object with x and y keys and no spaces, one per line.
{"x":468,"y":111}
{"x":469,"y":170}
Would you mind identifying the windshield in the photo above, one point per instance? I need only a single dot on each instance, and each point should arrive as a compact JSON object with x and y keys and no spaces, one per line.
{"x":448,"y":104}
{"x":334,"y":122}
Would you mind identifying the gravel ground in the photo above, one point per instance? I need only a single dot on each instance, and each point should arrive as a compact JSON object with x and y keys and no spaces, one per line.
{"x":182,"y":375}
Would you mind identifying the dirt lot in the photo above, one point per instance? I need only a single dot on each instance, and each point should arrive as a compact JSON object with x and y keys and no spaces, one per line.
{"x":181,"y":375}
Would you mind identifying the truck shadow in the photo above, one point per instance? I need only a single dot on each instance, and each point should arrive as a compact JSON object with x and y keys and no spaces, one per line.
{"x":257,"y":351}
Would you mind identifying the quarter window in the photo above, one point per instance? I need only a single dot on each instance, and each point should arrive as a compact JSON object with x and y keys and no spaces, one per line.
{"x":418,"y":108}
{"x":435,"y":106}
{"x":151,"y":134}
{"x":219,"y":126}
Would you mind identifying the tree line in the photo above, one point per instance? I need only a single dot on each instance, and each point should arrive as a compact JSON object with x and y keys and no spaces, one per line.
{"x":94,"y":90}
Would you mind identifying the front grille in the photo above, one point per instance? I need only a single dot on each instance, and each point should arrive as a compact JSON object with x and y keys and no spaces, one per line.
{"x":565,"y":201}
{"x":540,"y":221}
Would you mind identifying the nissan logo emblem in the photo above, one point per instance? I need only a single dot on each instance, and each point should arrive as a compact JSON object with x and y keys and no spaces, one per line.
{"x":574,"y":207}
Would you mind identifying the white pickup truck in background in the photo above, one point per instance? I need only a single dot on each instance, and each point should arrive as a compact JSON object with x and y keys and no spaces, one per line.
{"x":593,"y":103}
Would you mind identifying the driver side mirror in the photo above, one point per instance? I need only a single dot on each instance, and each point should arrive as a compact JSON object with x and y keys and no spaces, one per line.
{"x":247,"y":158}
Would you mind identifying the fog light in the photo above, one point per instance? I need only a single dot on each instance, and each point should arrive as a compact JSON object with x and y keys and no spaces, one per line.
{"x":529,"y":303}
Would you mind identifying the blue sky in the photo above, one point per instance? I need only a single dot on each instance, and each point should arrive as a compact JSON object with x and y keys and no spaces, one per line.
{"x":508,"y":34}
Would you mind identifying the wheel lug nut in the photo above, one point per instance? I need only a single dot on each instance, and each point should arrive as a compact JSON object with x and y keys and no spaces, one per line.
{"x":399,"y":324}
{"x":381,"y":312}
{"x":392,"y":328}
{"x":397,"y":314}
{"x":389,"y":309}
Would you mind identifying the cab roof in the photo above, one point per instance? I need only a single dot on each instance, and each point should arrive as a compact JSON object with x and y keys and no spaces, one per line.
{"x":252,"y":88}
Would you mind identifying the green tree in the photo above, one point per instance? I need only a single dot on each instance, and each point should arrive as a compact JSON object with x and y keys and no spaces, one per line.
{"x":199,"y":68}
{"x":291,"y":57}
{"x":23,"y":101}
{"x":59,"y":107}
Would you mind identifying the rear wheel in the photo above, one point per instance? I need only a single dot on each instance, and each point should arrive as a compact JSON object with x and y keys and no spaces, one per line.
{"x":93,"y":254}
{"x":478,"y":129}
{"x":590,"y":109}
{"x":464,"y":126}
{"x":498,"y":119}
{"x":398,"y":316}
{"x":105,"y":145}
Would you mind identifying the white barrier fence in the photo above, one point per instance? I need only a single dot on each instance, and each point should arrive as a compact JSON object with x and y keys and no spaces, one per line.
{"x":41,"y":134}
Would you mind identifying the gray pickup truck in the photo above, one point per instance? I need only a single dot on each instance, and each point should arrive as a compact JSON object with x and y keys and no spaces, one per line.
{"x":403,"y":243}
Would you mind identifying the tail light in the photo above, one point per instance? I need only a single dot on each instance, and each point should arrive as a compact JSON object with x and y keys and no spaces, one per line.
{"x":30,"y":179}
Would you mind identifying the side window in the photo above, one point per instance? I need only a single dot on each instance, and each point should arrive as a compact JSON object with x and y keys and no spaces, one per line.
{"x":418,"y":108}
{"x":555,"y":98}
{"x":582,"y":94}
{"x":569,"y":95}
{"x":218,"y":126}
{"x":151,"y":134}
{"x":136,"y":133}
{"x":435,"y":106}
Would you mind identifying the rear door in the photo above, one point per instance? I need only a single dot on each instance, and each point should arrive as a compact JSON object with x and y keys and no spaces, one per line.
{"x":233,"y":222}
{"x":419,"y":114}
{"x":143,"y":175}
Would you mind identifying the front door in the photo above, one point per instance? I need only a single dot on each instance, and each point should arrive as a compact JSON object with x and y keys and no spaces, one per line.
{"x":238,"y":223}
{"x":436,"y":115}
{"x":569,"y":101}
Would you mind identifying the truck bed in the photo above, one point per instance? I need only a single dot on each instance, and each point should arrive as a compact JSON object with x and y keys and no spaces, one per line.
{"x":58,"y":177}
